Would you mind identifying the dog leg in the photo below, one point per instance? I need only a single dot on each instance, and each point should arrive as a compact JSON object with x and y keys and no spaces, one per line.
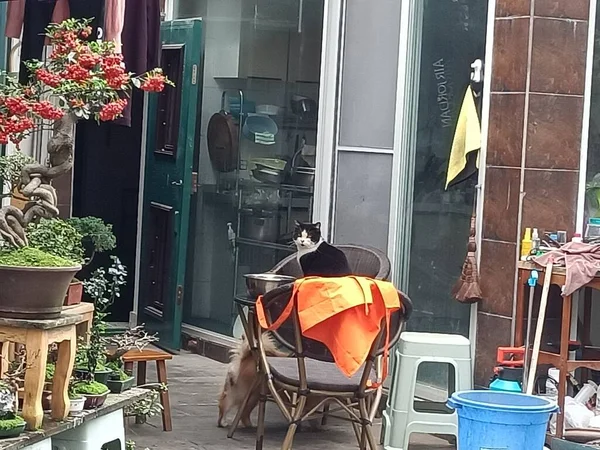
{"x":250,"y":406}
{"x":224,"y":407}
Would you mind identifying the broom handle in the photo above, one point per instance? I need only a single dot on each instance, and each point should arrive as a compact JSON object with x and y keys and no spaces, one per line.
{"x":539,"y":329}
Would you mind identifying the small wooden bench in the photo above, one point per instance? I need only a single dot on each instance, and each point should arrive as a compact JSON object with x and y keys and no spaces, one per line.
{"x":142,"y":358}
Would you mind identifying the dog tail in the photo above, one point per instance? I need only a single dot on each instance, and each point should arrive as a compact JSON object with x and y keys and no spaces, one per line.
{"x":243,"y":350}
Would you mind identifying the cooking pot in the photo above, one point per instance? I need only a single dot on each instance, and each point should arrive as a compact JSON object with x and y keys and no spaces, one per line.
{"x":303,"y":176}
{"x":259,"y":225}
{"x":304,"y":107}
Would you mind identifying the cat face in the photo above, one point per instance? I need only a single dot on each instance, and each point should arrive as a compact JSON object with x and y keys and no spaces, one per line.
{"x":307,"y":235}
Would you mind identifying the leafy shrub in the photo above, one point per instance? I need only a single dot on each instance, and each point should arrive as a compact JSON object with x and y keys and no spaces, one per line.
{"x":57,"y":237}
{"x":32,"y":257}
{"x":100,"y":233}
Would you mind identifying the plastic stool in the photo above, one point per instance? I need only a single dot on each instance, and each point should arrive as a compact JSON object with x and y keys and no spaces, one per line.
{"x":400,"y":418}
{"x":94,"y":435}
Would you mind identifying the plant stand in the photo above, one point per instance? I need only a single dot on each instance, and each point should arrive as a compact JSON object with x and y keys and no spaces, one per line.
{"x":104,"y":431}
{"x":36,"y":335}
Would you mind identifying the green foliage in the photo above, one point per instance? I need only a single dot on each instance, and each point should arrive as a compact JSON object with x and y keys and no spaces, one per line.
{"x":103,"y":288}
{"x":10,"y":422}
{"x":11,"y":167}
{"x":50,"y":370}
{"x":32,"y":257}
{"x":100,"y":233}
{"x":148,"y":406}
{"x":57,"y":237}
{"x":89,"y":388}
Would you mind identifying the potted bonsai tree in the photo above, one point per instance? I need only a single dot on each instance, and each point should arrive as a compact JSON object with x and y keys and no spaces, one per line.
{"x":77,"y":400}
{"x":138,"y":338}
{"x":80,"y":80}
{"x":11,"y":425}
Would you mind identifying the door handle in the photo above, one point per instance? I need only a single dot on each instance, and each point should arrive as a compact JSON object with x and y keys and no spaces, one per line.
{"x":177,"y":183}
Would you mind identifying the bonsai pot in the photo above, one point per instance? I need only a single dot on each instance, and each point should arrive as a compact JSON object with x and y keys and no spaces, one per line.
{"x":94,"y":401}
{"x":80,"y":373}
{"x":119,"y":386}
{"x":74,"y":294}
{"x":77,"y":405}
{"x":102,"y":376}
{"x":46,"y":399}
{"x":34,"y":292}
{"x":13,"y":432}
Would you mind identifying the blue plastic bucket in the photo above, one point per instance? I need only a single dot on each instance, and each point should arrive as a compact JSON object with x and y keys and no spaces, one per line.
{"x":489,"y":420}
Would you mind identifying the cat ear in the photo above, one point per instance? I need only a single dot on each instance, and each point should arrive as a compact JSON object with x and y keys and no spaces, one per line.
{"x":298,"y":224}
{"x":318,"y":225}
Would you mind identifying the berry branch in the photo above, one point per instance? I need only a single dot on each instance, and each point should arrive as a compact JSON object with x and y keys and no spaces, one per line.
{"x":81,"y":80}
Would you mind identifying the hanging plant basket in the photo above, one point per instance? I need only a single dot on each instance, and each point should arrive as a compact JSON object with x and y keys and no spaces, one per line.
{"x":34,"y":292}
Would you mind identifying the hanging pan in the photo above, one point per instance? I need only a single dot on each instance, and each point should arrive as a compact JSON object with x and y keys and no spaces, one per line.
{"x":223,"y":140}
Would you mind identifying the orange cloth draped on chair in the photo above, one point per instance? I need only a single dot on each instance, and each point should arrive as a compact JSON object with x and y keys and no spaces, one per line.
{"x":345,"y":314}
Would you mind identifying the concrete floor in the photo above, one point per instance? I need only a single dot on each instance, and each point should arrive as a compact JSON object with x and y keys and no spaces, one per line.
{"x":195,"y":382}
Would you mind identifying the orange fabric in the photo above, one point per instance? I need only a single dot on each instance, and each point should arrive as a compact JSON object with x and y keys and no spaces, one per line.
{"x":345,"y":314}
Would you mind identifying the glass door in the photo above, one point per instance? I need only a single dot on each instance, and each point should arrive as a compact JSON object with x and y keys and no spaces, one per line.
{"x":434,"y":225}
{"x":257,"y":150}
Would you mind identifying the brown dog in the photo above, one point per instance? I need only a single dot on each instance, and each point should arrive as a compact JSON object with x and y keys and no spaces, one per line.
{"x":241,"y":378}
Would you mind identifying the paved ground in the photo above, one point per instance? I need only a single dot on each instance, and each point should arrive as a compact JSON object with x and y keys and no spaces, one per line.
{"x":194,"y":386}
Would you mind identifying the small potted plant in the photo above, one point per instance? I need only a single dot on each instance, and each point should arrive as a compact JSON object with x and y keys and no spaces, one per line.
{"x":77,"y":400}
{"x":97,"y":236}
{"x":133,"y":338}
{"x":95,"y":393}
{"x":119,"y":381}
{"x":11,"y":425}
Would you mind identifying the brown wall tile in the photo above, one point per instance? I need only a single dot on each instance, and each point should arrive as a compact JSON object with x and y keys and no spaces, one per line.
{"x":501,"y":206}
{"x":550,"y":199}
{"x":559,"y":55}
{"x":509,"y":70}
{"x":492,"y":332}
{"x":570,"y":9}
{"x":506,"y":8}
{"x":505,"y":135}
{"x":554,"y":131}
{"x":497,"y":272}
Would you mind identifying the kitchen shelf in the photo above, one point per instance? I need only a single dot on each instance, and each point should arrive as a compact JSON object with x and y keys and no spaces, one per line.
{"x":265,"y":244}
{"x":280,"y":186}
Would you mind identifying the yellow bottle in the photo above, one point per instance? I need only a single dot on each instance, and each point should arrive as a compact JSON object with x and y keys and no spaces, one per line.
{"x":526,"y":244}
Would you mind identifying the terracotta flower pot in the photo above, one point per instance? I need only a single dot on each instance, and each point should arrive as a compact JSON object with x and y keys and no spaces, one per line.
{"x":34,"y":292}
{"x":74,"y":294}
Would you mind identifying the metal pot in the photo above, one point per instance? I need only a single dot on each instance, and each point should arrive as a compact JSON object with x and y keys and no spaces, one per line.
{"x":304,"y":107}
{"x":266,"y":175}
{"x":303,"y":176}
{"x":259,"y":225}
{"x":261,"y":283}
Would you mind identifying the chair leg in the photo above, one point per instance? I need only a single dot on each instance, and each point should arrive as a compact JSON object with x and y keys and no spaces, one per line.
{"x":298,"y":411}
{"x":262,"y":403}
{"x":367,"y":427}
{"x":325,"y":412}
{"x":161,"y":370}
{"x":242,"y":410}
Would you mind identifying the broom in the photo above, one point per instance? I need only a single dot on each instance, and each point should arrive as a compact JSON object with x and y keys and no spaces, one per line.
{"x":467,"y":289}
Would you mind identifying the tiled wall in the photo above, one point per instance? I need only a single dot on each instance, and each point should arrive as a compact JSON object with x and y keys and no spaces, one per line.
{"x":538,"y":75}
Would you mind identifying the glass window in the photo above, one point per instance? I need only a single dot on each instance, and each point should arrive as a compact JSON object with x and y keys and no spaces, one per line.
{"x":257,"y":151}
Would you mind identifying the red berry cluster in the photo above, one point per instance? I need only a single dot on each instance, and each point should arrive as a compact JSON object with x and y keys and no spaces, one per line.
{"x":112,"y":110}
{"x":47,"y":110}
{"x":17,"y":105}
{"x":48,"y":78}
{"x":86,"y":32}
{"x":76,"y":73}
{"x":153,"y":83}
{"x":88,"y":60}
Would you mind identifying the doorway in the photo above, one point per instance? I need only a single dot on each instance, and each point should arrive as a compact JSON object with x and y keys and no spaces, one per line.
{"x":257,"y":148}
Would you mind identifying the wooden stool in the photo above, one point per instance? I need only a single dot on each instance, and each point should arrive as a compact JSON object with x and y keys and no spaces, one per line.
{"x":36,"y":335}
{"x":142,"y":357}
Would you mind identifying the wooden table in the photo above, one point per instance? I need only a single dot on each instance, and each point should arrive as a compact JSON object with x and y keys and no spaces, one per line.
{"x":591,"y":356}
{"x":36,"y":335}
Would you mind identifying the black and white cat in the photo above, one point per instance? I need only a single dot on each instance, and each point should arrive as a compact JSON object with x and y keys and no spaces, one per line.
{"x":316,"y":257}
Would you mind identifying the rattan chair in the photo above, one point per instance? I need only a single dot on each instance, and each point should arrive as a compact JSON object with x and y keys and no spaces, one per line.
{"x":312,"y":374}
{"x":364,"y":261}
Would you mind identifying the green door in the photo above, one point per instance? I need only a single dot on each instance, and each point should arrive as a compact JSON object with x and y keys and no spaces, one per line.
{"x":171,"y":138}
